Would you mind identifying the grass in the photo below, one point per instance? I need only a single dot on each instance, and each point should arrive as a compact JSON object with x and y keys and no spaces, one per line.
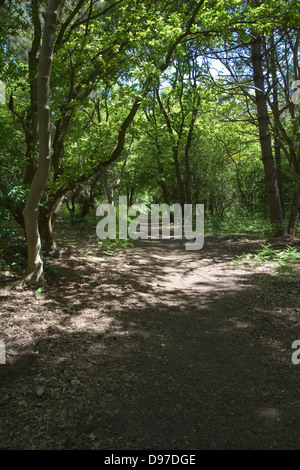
{"x":286,"y":261}
{"x":111,"y":247}
{"x":237,"y":225}
{"x":268,"y":253}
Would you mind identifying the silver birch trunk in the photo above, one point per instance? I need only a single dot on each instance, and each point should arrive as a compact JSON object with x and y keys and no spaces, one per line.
{"x":34,"y":273}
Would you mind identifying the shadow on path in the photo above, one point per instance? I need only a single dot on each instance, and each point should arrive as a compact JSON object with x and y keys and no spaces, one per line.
{"x":155,"y":348}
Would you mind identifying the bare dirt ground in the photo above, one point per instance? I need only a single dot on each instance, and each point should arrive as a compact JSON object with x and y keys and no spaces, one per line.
{"x":152,"y":348}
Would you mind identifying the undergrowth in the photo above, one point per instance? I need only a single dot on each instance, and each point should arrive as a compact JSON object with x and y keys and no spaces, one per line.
{"x":286,"y":261}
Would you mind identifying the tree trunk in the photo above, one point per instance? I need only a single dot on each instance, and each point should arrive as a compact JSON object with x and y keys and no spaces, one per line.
{"x":175,"y":149}
{"x":47,"y":219}
{"x":279,"y":174}
{"x":161,"y":181}
{"x":34,"y":273}
{"x":130,"y":195}
{"x":109,"y":187}
{"x":178,"y":175}
{"x":188,"y":174}
{"x":294,"y":215}
{"x":48,"y":243}
{"x":277,"y":148}
{"x":273,"y":197}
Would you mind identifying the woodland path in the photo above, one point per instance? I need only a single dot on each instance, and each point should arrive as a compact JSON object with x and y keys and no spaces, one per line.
{"x":152,"y":348}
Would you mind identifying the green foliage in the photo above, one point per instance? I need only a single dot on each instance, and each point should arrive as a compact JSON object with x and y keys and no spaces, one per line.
{"x":16,"y":264}
{"x":237,"y":225}
{"x":10,"y":259}
{"x":284,"y":259}
{"x":112,"y":247}
{"x":39,"y":293}
{"x":286,"y":262}
{"x":52,"y":269}
{"x":110,"y":55}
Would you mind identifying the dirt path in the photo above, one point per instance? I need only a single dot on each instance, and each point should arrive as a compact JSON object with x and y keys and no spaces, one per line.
{"x":153,"y":348}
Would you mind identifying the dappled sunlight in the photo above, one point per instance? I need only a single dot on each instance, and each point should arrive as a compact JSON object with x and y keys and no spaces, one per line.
{"x":234,"y":323}
{"x":149,"y":170}
{"x":269,"y":414}
{"x":211,"y":338}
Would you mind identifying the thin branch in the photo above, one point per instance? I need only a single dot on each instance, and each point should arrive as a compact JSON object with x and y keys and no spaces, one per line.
{"x":11,"y":107}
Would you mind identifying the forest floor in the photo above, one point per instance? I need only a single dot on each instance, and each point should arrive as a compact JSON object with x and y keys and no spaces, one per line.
{"x":151,"y":347}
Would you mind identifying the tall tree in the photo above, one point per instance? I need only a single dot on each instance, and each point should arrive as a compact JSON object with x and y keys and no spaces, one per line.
{"x":274,"y":202}
{"x":31,"y":210}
